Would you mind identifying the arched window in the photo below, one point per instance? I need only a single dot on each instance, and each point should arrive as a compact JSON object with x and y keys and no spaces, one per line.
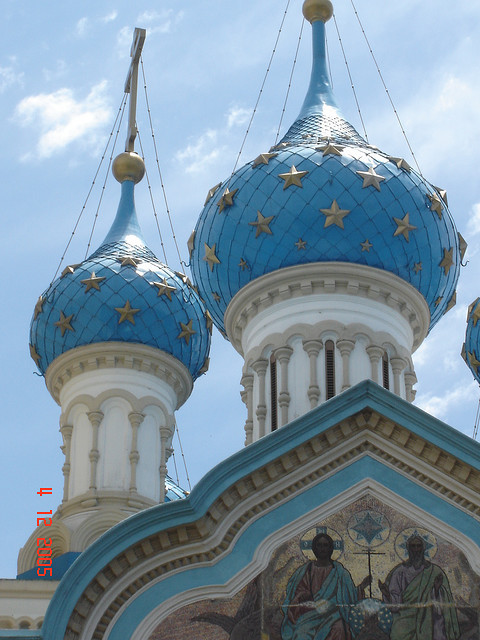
{"x":385,"y":372}
{"x":273,"y":392}
{"x":330,"y":368}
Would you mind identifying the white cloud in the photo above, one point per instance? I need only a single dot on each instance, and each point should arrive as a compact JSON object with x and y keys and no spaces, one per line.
{"x":9,"y":77}
{"x":203,"y":153}
{"x":110,"y":17}
{"x":124,"y":41}
{"x":440,"y":406}
{"x":237,"y":116}
{"x":82,"y":27}
{"x":61,"y":119}
{"x":473,"y":226}
{"x":160,"y":21}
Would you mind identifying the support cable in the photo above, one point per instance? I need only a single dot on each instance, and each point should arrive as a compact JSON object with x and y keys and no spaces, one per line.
{"x":183,"y":456}
{"x":477,"y":417}
{"x":350,"y":78}
{"x":167,"y":208}
{"x":386,"y":89}
{"x":289,"y":82}
{"x":120,"y":113}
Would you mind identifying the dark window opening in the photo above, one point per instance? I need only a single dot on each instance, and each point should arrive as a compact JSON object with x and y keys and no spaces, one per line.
{"x":273,"y":392}
{"x":330,"y":368}
{"x":385,"y":373}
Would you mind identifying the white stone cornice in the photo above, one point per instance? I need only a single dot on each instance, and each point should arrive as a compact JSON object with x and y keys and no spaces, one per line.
{"x":327,"y":279}
{"x":119,"y":355}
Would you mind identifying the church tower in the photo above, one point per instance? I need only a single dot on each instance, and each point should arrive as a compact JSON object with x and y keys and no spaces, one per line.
{"x":120,"y":338}
{"x":325,"y":260}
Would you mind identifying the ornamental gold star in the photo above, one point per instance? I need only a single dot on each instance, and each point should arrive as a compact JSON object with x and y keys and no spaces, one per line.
{"x":226,"y":200}
{"x":447,"y":260}
{"x":442,"y":193}
{"x":463,"y":246}
{"x":38,"y":307}
{"x":417,"y":267}
{"x":209,"y":320}
{"x":438,"y":301}
{"x":293,"y":177}
{"x":212,"y":192}
{"x":476,"y":312}
{"x":34,"y":355}
{"x":371,"y":178}
{"x":243,"y":264}
{"x":210,"y":256}
{"x":331,"y":149}
{"x":472,"y":358}
{"x":187,"y":332}
{"x":64,"y":324}
{"x":70,"y":269}
{"x":301,"y":244}
{"x":215,"y":296}
{"x":334,"y":215}
{"x":126,"y":313}
{"x":451,"y":303}
{"x":128,"y":261}
{"x":262,"y":224}
{"x":185,"y":279}
{"x":404,"y":227}
{"x":366,"y":246}
{"x":436,"y":204}
{"x":205,"y":366}
{"x":263,"y":158}
{"x":190,"y":243}
{"x":93,"y":282}
{"x":401,"y":163}
{"x":164,"y":289}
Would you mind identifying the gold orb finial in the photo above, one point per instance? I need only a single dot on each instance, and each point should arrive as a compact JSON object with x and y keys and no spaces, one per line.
{"x":128,"y":166}
{"x":314,"y":10}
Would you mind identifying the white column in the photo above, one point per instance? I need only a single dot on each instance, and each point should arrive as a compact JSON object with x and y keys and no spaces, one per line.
{"x":410,"y":380}
{"x":313,"y":348}
{"x":398,"y":365}
{"x":165,"y":435}
{"x":375,"y":354}
{"x":283,"y":355}
{"x":95,"y":418}
{"x":66,"y":431}
{"x":260,"y":368}
{"x":247,"y":397}
{"x":345,"y":347}
{"x":136,"y":420}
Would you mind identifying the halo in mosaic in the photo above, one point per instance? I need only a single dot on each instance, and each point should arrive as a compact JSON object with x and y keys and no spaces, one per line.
{"x":350,"y":191}
{"x":471,"y":348}
{"x":123,"y":293}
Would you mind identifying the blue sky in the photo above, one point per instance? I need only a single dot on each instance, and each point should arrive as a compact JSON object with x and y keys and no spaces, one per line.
{"x":62,"y":71}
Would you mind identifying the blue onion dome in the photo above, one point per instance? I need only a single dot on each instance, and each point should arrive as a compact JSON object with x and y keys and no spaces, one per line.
{"x":471,"y":347}
{"x":173,"y":490}
{"x":323,"y":194}
{"x":122,"y":293}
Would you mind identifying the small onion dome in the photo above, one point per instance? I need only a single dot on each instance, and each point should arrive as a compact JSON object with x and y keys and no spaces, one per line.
{"x":471,"y":347}
{"x":173,"y":490}
{"x":323,"y":194}
{"x":122,"y":293}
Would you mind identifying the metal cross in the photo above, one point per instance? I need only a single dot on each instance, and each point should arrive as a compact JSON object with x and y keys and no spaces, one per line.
{"x":131,"y":85}
{"x":369,"y":553}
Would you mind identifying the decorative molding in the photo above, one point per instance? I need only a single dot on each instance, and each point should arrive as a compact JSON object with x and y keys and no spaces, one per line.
{"x":327,"y":278}
{"x":119,"y":355}
{"x":136,"y":420}
{"x":247,"y":383}
{"x":283,"y":355}
{"x":345,"y":347}
{"x":364,"y":433}
{"x":260,"y":367}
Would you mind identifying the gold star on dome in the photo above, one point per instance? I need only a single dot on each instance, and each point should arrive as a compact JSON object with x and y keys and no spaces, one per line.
{"x":293,"y":177}
{"x":164,"y":289}
{"x":401,"y":163}
{"x":212,"y":192}
{"x":262,"y":224}
{"x":334,"y":215}
{"x":462,"y":245}
{"x":301,"y":244}
{"x":371,"y":178}
{"x":205,"y":366}
{"x":472,"y":358}
{"x":209,"y":320}
{"x":226,"y":200}
{"x":185,"y":279}
{"x":34,"y":355}
{"x":190,"y":243}
{"x":70,"y":269}
{"x":417,"y":267}
{"x":128,"y":261}
{"x":93,"y":282}
{"x":210,"y":256}
{"x":447,"y":260}
{"x":215,"y":296}
{"x":366,"y":246}
{"x":64,"y":324}
{"x":126,"y":313}
{"x":38,"y":307}
{"x":187,"y":332}
{"x":442,"y":193}
{"x":331,"y":149}
{"x":243,"y":264}
{"x":475,"y":314}
{"x":263,"y":158}
{"x":451,"y":303}
{"x":436,"y":204}
{"x":404,"y":227}
{"x":438,"y":301}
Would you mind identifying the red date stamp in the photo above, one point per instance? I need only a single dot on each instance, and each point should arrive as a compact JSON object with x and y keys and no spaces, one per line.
{"x":44,"y":545}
